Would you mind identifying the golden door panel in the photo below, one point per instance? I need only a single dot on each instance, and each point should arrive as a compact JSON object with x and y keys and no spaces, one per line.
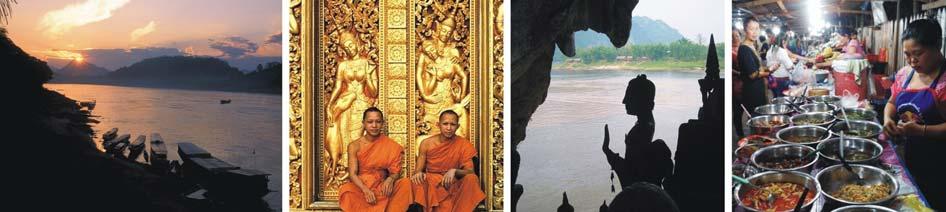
{"x":411,"y":59}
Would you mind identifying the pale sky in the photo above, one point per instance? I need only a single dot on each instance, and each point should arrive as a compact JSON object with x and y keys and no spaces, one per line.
{"x":223,"y":28}
{"x":690,"y":17}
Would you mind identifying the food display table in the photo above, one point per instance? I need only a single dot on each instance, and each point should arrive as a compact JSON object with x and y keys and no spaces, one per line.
{"x":908,"y":196}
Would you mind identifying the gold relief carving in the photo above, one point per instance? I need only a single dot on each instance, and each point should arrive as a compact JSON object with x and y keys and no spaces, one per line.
{"x":397,"y":88}
{"x":397,"y":4}
{"x":397,"y":106}
{"x":397,"y":123}
{"x":296,"y":111}
{"x":497,"y":104}
{"x":397,"y":18}
{"x":390,"y":39}
{"x":397,"y":53}
{"x":442,"y":79}
{"x":397,"y":71}
{"x":349,"y":62}
{"x":397,"y":36}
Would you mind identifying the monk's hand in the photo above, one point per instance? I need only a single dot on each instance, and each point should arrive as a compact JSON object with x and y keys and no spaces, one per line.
{"x":369,"y":195}
{"x":449,"y":177}
{"x":387,"y":186}
{"x":418,"y":178}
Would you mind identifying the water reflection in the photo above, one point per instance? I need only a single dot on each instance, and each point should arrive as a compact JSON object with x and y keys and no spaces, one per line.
{"x":245,"y":133}
{"x":562,"y":149}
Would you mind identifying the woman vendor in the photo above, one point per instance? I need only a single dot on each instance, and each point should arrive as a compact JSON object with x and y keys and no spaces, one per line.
{"x":914,"y":113}
{"x":752,"y":72}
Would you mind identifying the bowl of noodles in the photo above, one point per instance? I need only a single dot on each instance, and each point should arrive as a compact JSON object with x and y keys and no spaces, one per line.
{"x":786,"y":187}
{"x":877,"y":187}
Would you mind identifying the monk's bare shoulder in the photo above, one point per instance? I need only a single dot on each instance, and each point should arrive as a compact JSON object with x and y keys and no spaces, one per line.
{"x":428,"y":142}
{"x":355,"y":145}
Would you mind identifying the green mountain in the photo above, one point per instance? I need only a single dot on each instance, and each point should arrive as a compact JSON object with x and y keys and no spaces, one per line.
{"x":644,"y":30}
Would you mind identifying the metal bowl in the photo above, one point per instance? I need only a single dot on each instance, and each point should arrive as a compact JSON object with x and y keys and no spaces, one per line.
{"x":863,"y":208}
{"x":784,"y":152}
{"x":761,"y":125}
{"x":787,"y":100}
{"x":834,"y":177}
{"x":785,"y":135}
{"x":819,"y":107}
{"x":774,"y":109}
{"x":830,"y":149}
{"x":825,"y":119}
{"x":869,"y":114}
{"x":779,"y":177}
{"x":833,"y":100}
{"x":872,"y":129}
{"x":748,"y":149}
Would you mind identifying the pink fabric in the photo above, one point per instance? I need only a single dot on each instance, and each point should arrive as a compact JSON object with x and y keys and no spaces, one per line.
{"x":856,"y":46}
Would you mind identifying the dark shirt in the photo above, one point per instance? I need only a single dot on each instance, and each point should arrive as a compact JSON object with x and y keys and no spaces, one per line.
{"x":753,"y":90}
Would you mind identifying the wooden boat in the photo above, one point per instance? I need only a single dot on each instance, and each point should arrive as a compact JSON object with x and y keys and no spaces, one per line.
{"x":110,"y":134}
{"x":158,"y":150}
{"x":240,"y":184}
{"x":136,"y":148}
{"x":202,"y":170}
{"x":189,"y":151}
{"x":111,"y":144}
{"x":119,"y":150}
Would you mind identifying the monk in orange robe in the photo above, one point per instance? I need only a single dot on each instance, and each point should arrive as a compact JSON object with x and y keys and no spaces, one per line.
{"x":444,"y":179}
{"x":377,"y":161}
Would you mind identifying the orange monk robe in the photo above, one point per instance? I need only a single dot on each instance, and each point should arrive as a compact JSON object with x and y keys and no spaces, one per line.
{"x":461,"y":196}
{"x":376,"y":161}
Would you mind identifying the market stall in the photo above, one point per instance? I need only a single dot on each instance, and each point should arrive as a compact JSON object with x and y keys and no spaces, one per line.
{"x":819,"y":145}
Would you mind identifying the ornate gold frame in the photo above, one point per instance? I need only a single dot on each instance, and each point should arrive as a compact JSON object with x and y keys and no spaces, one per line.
{"x":485,"y":55}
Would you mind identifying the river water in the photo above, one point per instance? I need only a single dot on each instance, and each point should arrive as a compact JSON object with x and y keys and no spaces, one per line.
{"x":562,"y":150}
{"x":245,"y":133}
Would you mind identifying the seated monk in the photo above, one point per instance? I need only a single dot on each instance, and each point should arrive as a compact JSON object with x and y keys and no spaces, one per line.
{"x":444,"y":179}
{"x":377,"y":161}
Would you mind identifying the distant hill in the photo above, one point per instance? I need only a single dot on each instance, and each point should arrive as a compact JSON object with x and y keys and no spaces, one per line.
{"x":248,"y":64}
{"x":187,"y":68}
{"x":80,"y":69}
{"x":644,"y":30}
{"x":190,"y":72}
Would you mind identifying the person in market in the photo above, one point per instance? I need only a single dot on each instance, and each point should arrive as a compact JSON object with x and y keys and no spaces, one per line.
{"x":752,"y":72}
{"x":736,"y":83}
{"x":914,"y":114}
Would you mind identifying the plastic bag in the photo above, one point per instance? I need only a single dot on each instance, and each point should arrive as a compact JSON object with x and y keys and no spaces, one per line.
{"x":849,"y":100}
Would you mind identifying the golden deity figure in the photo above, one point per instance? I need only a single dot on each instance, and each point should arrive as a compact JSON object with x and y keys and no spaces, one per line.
{"x":356,"y":89}
{"x":441,"y":81}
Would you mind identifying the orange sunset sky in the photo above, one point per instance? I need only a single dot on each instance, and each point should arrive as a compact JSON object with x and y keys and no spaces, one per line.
{"x":115,"y":33}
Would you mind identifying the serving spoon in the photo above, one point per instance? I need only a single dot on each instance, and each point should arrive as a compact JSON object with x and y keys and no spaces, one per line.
{"x":846,"y":165}
{"x":801,"y":200}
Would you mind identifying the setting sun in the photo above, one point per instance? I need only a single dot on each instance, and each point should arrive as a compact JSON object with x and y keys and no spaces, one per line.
{"x":79,"y":58}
